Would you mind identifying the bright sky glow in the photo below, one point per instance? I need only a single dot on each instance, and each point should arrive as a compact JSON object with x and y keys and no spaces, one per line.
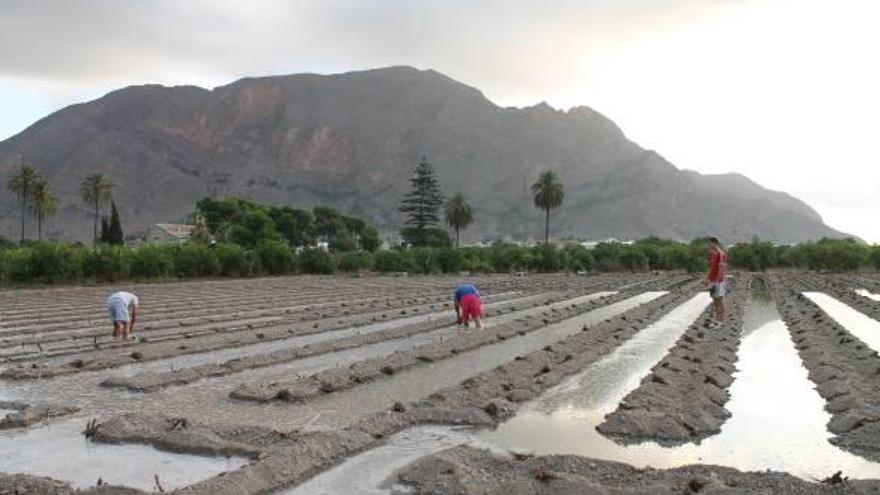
{"x":783,"y":91}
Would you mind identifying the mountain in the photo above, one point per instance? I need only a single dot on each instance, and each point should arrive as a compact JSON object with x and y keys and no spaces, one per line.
{"x":350,"y":140}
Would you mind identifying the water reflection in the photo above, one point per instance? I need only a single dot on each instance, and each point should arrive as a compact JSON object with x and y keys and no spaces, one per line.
{"x":60,"y":451}
{"x":857,"y":323}
{"x":869,"y":295}
{"x":778,"y":420}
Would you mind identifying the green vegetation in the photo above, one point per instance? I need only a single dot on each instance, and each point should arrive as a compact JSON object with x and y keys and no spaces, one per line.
{"x":111,"y":230}
{"x":44,"y":204}
{"x":422,"y":206}
{"x":57,"y":263}
{"x":23,"y":182}
{"x":250,"y":224}
{"x":835,"y":255}
{"x":548,"y":193}
{"x":459,"y":215}
{"x":96,"y":191}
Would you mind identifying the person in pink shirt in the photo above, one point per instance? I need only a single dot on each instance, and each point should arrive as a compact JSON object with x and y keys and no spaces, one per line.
{"x":715,"y":279}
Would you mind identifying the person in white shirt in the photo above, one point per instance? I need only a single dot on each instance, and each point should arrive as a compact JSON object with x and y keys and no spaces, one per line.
{"x":123,"y":309}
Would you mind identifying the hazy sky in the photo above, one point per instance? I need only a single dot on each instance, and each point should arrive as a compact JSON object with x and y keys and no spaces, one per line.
{"x":783,"y":91}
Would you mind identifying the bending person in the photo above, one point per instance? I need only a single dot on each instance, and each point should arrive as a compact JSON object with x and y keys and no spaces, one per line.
{"x":123,"y":309}
{"x":468,"y":305}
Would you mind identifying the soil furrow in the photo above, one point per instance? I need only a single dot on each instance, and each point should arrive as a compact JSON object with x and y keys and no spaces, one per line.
{"x":843,"y":368}
{"x":682,"y":399}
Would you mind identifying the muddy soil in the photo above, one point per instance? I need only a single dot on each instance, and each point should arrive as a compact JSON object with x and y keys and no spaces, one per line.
{"x":844,"y":369}
{"x":470,"y":471}
{"x":682,"y":399}
{"x":339,"y":379}
{"x":214,"y":335}
{"x":151,"y":381}
{"x":22,"y":484}
{"x":481,"y":401}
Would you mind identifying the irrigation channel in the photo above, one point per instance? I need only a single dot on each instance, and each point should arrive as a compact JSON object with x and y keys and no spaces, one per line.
{"x":313,"y":385}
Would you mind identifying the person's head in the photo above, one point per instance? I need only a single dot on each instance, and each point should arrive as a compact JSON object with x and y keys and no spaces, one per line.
{"x":714,"y":243}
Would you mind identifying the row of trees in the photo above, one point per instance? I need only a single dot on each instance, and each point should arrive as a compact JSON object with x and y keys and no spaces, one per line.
{"x":35,"y":196}
{"x":423,"y":203}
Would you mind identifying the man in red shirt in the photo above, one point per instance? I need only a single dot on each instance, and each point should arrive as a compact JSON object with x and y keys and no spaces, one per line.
{"x":715,"y":278}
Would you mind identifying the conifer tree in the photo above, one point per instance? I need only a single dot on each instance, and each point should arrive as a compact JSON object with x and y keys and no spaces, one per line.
{"x":422,"y":205}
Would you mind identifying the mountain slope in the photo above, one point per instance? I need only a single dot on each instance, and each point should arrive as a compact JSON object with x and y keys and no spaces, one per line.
{"x":350,"y":140}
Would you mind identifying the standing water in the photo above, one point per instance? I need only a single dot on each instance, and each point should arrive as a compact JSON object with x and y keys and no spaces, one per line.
{"x":778,"y":420}
{"x":60,"y":451}
{"x":857,"y":323}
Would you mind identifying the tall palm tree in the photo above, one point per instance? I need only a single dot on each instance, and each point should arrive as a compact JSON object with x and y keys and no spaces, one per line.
{"x":548,"y":193}
{"x":43,"y":204}
{"x":21,"y":182}
{"x":459,"y":215}
{"x":96,"y":190}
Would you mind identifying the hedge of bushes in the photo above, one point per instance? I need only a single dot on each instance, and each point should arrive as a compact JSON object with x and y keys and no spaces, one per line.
{"x":58,"y":263}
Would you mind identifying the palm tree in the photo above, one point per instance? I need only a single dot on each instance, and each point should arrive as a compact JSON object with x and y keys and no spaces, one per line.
{"x":96,"y":190}
{"x":459,"y":215}
{"x":21,"y":182}
{"x":549,"y":193}
{"x":43,"y":204}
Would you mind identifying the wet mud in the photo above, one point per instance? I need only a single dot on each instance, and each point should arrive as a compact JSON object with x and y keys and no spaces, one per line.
{"x":682,"y":399}
{"x":845,"y":370}
{"x":471,"y":471}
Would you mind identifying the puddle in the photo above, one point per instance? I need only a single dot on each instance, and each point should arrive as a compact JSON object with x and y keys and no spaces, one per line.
{"x":778,"y":420}
{"x":61,"y":451}
{"x":869,"y":295}
{"x":368,"y":473}
{"x":857,"y":323}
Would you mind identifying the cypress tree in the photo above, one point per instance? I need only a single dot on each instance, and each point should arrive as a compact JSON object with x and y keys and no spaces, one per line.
{"x":114,"y":234}
{"x":105,"y":231}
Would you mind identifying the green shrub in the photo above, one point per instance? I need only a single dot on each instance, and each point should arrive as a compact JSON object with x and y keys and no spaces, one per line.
{"x":875,"y":257}
{"x":510,"y":257}
{"x":393,"y":260}
{"x":54,"y":262}
{"x":108,"y":263}
{"x":316,"y":261}
{"x":635,"y":260}
{"x":275,"y":257}
{"x":152,"y":261}
{"x":235,"y":261}
{"x":449,"y":260}
{"x":17,"y":262}
{"x":547,"y":258}
{"x":196,"y":260}
{"x":354,"y":261}
{"x":424,"y":260}
{"x":579,"y":258}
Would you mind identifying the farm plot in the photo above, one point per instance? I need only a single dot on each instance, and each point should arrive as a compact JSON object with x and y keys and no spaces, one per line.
{"x":271,"y":381}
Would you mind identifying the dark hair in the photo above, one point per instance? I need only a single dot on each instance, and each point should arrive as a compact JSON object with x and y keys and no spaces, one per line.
{"x":714,"y":240}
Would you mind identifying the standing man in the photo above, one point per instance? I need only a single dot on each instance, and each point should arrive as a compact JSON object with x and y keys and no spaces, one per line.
{"x":468,"y":305}
{"x":715,"y":279}
{"x":122,"y":307}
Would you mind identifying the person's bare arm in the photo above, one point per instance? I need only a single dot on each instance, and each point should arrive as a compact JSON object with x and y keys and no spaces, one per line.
{"x":457,"y":311}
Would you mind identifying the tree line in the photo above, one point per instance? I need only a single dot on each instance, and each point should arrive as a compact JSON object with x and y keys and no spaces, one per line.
{"x":35,"y":196}
{"x":423,"y":203}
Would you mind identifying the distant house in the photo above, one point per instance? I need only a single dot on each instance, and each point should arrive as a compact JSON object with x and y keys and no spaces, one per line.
{"x":169,"y":233}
